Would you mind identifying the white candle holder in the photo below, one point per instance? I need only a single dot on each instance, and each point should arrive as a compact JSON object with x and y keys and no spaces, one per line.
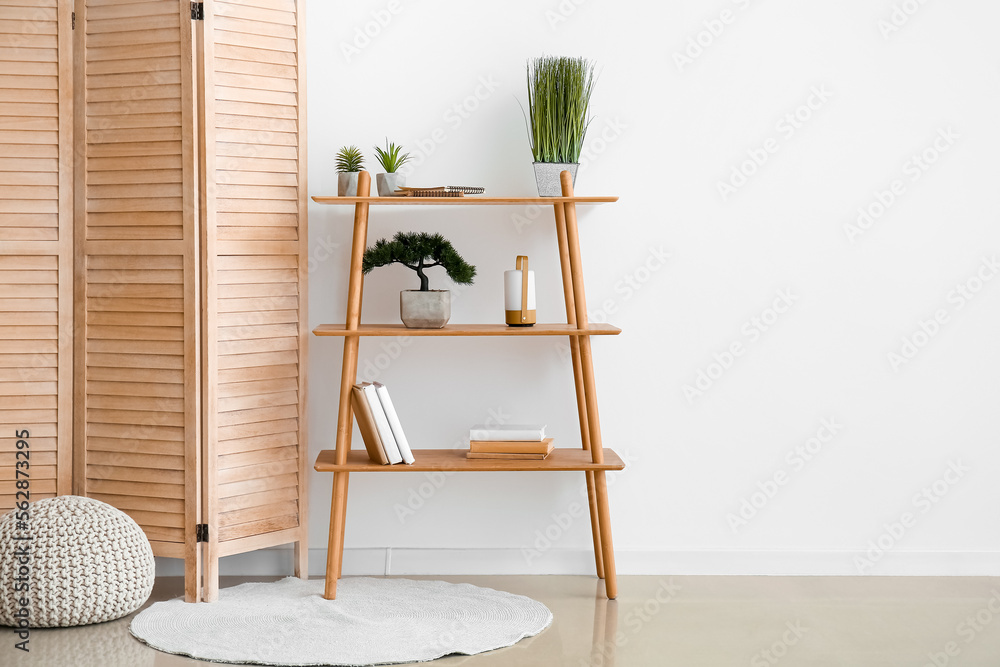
{"x":519,"y":294}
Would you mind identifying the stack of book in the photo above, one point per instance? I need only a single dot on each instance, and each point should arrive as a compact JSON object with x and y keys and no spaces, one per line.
{"x":379,"y":424}
{"x":512,"y":441}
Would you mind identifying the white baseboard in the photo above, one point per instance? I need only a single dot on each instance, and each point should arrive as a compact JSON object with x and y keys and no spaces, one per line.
{"x":408,"y":561}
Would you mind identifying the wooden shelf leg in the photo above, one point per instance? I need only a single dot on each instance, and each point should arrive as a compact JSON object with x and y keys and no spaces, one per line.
{"x":581,"y":397}
{"x":595,"y":524}
{"x":343,"y":528}
{"x":589,"y":386}
{"x":335,"y":546}
{"x":611,"y":577}
{"x":348,"y":376}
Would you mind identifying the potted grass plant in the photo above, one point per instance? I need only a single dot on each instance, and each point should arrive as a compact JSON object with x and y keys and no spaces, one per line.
{"x":424,"y":308}
{"x":559,"y":90}
{"x":391,"y":158}
{"x":350,"y":162}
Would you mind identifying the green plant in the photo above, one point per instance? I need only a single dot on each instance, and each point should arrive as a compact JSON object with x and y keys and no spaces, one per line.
{"x":349,"y":158}
{"x":390,"y":157}
{"x":559,"y":91}
{"x":418,"y":251}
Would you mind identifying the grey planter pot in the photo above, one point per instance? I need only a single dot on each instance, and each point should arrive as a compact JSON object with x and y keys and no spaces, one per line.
{"x":389,"y":183}
{"x":425,"y":310}
{"x":347,"y":183}
{"x":547,"y":177}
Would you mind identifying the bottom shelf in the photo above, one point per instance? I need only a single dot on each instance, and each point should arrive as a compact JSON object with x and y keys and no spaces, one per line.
{"x":430,"y":460}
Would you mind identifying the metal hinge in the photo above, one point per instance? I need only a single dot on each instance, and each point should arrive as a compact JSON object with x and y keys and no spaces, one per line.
{"x":201,"y":532}
{"x":73,"y":22}
{"x":197,"y":11}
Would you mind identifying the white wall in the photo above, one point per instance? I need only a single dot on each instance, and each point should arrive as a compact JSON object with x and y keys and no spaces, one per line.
{"x":663,"y":137}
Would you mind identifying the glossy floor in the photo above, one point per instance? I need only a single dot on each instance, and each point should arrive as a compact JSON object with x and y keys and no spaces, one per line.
{"x":682,"y":621}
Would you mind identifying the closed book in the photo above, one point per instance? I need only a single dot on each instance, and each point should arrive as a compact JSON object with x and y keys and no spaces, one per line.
{"x":511,"y":446}
{"x":500,"y":455}
{"x":508,"y":432}
{"x":397,"y":428}
{"x":366,"y":424}
{"x":382,"y":424}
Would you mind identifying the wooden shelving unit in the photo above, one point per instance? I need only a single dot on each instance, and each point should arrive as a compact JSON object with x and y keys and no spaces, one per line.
{"x":593,"y":459}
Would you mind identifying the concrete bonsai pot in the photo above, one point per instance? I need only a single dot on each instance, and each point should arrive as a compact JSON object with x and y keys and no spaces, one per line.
{"x":425,"y":310}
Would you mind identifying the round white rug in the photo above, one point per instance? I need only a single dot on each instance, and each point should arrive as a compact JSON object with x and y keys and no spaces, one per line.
{"x":372,"y":621}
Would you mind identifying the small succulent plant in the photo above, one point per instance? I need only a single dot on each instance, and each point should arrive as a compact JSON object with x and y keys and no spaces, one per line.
{"x":349,"y":158}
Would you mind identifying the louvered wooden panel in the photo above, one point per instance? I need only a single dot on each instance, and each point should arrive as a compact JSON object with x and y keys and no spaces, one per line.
{"x":255,"y":282}
{"x":137,"y":361}
{"x":36,"y":245}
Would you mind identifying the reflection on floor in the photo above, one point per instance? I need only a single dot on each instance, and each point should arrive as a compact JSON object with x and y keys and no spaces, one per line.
{"x":682,"y":621}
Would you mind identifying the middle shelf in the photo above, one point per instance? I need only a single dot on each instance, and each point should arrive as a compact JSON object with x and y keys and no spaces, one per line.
{"x":469,"y":330}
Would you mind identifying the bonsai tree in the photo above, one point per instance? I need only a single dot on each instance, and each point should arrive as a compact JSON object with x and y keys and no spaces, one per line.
{"x":350,"y":159}
{"x":390,"y":157}
{"x":419,"y":251}
{"x":559,"y":91}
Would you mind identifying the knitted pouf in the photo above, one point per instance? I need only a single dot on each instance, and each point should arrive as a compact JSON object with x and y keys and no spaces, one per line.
{"x":89,"y":563}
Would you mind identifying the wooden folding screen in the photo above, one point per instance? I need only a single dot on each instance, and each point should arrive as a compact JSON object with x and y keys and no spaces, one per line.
{"x":256,"y":250}
{"x":36,"y":248}
{"x":191,"y":270}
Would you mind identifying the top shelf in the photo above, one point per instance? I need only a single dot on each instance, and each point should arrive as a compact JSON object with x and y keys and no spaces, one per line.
{"x":470,"y":200}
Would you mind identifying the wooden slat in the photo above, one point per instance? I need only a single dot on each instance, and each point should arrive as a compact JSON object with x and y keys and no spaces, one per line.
{"x":135,"y":474}
{"x":132,"y":446}
{"x":247,"y":515}
{"x":263,"y":471}
{"x":260,"y":499}
{"x":256,"y":443}
{"x":258,"y":527}
{"x":141,"y":503}
{"x":259,"y":456}
{"x":142,"y":489}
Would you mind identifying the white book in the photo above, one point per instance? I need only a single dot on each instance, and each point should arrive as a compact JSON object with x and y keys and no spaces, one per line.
{"x":382,"y":424}
{"x":525,"y":432}
{"x":397,"y":428}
